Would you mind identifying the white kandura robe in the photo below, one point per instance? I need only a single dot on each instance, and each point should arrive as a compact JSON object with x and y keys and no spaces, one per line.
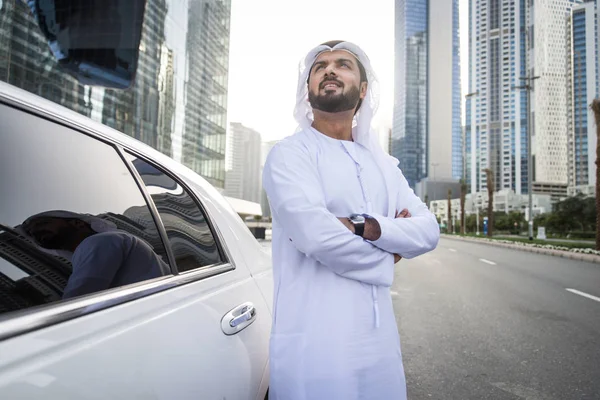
{"x":334,"y":332}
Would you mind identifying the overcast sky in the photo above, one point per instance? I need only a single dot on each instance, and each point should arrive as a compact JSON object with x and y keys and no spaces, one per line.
{"x":270,"y":37}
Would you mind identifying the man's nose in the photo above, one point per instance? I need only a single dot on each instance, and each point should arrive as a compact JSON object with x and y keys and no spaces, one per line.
{"x":330,"y":69}
{"x":330,"y":74}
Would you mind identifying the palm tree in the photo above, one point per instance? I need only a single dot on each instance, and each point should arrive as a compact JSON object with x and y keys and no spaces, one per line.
{"x":463,"y":195}
{"x":449,"y":211}
{"x":595,"y":106}
{"x":489,"y":176}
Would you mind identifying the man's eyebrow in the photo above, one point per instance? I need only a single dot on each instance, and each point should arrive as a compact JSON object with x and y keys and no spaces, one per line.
{"x":337,"y":61}
{"x":319,"y":63}
{"x":347,"y":60}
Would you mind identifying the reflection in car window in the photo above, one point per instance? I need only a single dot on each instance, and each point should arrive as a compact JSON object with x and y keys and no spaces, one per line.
{"x":63,"y":230}
{"x":188,"y":231}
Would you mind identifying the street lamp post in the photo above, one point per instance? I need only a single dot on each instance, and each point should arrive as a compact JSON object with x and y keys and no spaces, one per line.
{"x":529,"y":87}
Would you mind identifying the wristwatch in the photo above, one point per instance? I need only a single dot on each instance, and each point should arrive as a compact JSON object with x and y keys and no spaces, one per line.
{"x":358,"y":220}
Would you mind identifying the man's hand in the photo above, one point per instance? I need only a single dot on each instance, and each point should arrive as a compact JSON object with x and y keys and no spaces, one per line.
{"x":402,"y":214}
{"x":372,"y":228}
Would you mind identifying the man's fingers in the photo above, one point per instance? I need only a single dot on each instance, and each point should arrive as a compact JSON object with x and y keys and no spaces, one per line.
{"x":403,"y":214}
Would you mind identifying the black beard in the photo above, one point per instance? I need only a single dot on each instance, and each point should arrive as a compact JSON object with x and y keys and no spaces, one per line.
{"x":335,"y":103}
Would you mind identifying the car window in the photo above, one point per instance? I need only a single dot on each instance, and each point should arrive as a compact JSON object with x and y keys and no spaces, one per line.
{"x":73,"y":221}
{"x":189,"y":233}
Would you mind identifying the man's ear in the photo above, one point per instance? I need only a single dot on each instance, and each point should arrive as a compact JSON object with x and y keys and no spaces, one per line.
{"x":363,"y":89}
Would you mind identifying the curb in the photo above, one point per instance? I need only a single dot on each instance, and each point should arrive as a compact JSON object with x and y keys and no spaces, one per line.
{"x":556,"y":253}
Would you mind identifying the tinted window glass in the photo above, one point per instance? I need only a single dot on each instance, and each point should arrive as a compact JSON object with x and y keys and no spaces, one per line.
{"x":189,"y":234}
{"x":72,"y":218}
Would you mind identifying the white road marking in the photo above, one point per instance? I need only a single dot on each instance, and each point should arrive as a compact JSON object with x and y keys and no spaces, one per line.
{"x":589,"y":296}
{"x":452,"y":250}
{"x":522,"y":392}
{"x":487,"y":261}
{"x":393,"y":293}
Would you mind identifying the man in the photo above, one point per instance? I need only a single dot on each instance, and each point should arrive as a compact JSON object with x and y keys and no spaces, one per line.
{"x":335,"y":195}
{"x":102,"y":256}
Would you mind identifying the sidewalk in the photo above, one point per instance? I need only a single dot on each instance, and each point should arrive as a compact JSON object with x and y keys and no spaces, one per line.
{"x":571,"y":255}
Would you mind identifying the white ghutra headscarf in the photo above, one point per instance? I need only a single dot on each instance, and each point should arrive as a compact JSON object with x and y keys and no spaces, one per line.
{"x":362,"y":132}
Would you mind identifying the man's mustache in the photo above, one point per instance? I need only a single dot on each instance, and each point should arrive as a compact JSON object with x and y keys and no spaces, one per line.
{"x":330,"y":80}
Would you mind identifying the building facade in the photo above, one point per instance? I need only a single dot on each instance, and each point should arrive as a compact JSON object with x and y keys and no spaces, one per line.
{"x":178,"y":102}
{"x":427,"y":99}
{"x":583,"y":86}
{"x":244,"y":164}
{"x":409,"y":131}
{"x":510,"y":40}
{"x":496,"y":113}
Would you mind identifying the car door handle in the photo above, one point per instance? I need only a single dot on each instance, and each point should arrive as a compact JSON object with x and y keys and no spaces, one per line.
{"x":238,"y":318}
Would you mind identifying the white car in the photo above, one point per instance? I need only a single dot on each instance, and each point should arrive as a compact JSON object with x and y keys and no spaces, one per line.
{"x":84,"y":319}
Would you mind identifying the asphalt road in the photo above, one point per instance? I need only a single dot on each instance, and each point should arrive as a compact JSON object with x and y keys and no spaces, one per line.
{"x":484,"y":322}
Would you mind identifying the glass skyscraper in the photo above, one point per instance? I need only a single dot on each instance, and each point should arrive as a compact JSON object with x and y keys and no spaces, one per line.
{"x":423,"y":153}
{"x":584,"y":85}
{"x":496,"y":127}
{"x":457,"y":131}
{"x":511,"y":39}
{"x":178,"y":102}
{"x":409,"y":132}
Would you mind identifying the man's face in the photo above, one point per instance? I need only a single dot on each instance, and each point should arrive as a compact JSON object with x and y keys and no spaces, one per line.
{"x":334,"y":84}
{"x":51,"y":232}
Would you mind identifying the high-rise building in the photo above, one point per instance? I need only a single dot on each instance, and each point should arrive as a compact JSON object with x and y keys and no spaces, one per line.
{"x":496,"y":117}
{"x":548,"y":60}
{"x":583,"y":85}
{"x":509,"y":40}
{"x":243,"y":179}
{"x":206,"y":82}
{"x":178,"y":101}
{"x":426,"y":133}
{"x":409,"y":131}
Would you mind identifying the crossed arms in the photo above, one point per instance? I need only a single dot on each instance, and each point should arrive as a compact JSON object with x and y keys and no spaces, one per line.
{"x":293,"y":186}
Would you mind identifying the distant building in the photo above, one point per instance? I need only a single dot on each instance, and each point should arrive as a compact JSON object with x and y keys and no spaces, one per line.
{"x":427,"y":94}
{"x":583,"y":38}
{"x":243,"y":178}
{"x":505,"y":201}
{"x":586,"y":190}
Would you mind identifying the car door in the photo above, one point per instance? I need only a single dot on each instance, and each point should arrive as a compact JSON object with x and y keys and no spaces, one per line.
{"x":197,"y":329}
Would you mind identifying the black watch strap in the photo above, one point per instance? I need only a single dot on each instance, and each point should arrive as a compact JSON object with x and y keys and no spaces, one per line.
{"x":358,"y":221}
{"x":359,"y":229}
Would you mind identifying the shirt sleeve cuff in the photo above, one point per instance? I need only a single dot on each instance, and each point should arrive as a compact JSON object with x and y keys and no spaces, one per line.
{"x":386,"y":225}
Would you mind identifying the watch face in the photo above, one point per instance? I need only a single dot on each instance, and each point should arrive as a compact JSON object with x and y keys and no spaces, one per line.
{"x":357,"y":219}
